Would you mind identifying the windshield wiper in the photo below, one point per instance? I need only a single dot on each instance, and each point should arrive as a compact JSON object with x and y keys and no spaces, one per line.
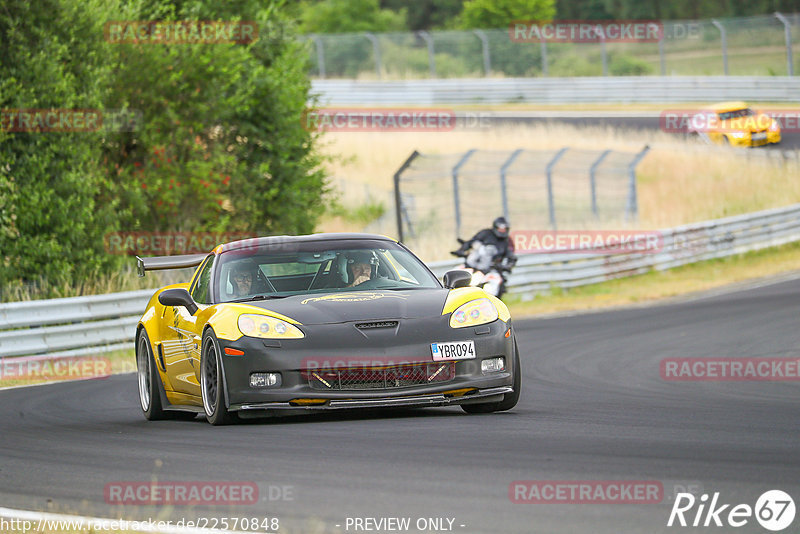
{"x":400,"y":288}
{"x":259,"y":297}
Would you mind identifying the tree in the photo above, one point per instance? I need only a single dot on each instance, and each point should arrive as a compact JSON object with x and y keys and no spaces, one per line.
{"x":221,"y":144}
{"x":427,"y":14}
{"x":501,"y":13}
{"x":51,"y":224}
{"x":343,"y":16}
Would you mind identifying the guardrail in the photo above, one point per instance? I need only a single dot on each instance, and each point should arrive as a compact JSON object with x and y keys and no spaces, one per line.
{"x":557,"y":90}
{"x":85,"y":324}
{"x":537,"y":273}
{"x":80,"y":325}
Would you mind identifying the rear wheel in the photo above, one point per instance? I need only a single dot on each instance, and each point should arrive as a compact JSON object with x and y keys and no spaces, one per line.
{"x":509,"y":399}
{"x":212,"y":383}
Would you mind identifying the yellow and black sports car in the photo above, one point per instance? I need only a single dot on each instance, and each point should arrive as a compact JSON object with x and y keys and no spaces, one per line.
{"x":281,"y":325}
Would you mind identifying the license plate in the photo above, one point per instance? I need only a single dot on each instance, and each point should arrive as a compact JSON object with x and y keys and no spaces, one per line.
{"x":759,"y":136}
{"x":453,"y":350}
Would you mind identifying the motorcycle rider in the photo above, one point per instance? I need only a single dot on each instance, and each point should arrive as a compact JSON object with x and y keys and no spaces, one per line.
{"x":488,"y":255}
{"x":497,"y":235}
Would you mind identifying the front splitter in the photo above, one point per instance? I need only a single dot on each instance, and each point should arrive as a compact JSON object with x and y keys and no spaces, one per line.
{"x":388,"y":402}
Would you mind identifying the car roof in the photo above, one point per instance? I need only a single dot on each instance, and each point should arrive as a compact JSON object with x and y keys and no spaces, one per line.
{"x":728,"y":106}
{"x":283,"y":239}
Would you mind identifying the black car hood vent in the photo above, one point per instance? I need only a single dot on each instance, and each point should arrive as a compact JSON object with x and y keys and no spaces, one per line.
{"x":377,"y":324}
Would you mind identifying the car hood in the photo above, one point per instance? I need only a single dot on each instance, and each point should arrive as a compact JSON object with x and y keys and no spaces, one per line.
{"x":753,"y":123}
{"x":342,"y":307}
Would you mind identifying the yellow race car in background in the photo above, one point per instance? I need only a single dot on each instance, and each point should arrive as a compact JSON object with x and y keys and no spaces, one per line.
{"x":735,"y":124}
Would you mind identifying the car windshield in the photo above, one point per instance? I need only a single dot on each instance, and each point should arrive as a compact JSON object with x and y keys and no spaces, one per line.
{"x":297,"y":268}
{"x":736,"y":114}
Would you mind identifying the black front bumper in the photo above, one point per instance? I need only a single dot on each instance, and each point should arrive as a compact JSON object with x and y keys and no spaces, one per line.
{"x":344,"y":346}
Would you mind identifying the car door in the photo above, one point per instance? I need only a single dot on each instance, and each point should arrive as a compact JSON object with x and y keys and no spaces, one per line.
{"x":184,"y":360}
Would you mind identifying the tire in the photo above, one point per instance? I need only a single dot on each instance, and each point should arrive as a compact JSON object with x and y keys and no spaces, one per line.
{"x":509,"y":399}
{"x":149,"y":389}
{"x":150,"y":385}
{"x":212,"y":384}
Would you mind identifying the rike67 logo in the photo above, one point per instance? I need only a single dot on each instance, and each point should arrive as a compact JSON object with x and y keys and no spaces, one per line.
{"x":774,"y":510}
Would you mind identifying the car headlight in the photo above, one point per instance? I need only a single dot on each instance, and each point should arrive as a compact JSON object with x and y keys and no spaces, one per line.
{"x":473,"y":313}
{"x":739,"y":135}
{"x":775,"y":126}
{"x":254,"y":325}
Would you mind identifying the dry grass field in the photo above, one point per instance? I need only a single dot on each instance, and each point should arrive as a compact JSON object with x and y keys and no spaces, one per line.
{"x":679,"y":181}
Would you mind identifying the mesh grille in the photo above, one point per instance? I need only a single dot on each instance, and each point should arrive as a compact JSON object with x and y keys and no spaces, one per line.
{"x":367,"y":378}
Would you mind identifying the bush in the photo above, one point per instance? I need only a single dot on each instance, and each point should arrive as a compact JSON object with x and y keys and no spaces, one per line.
{"x":619,"y":65}
{"x":221,"y":145}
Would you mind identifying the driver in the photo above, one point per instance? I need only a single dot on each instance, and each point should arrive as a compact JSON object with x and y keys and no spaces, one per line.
{"x":243,"y":278}
{"x":359,"y":267}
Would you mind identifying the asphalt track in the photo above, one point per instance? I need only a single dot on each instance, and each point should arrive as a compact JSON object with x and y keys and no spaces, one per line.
{"x":627,"y":121}
{"x":593,"y":408}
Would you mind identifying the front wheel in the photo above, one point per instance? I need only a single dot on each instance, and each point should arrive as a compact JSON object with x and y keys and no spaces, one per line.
{"x":149,"y":394}
{"x":509,"y":399}
{"x":212,"y":382}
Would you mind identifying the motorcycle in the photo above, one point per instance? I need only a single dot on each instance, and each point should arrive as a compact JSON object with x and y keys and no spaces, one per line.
{"x":488,"y":272}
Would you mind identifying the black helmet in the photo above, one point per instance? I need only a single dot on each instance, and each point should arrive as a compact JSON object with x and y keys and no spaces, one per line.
{"x":361,"y":256}
{"x":500,"y":227}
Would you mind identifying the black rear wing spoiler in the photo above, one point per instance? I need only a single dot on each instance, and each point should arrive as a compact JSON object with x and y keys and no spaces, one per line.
{"x":160,"y":263}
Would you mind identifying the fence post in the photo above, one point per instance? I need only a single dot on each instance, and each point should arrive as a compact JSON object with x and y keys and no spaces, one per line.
{"x":549,"y":170}
{"x":787,"y":35}
{"x":376,"y":47}
{"x":661,"y":57}
{"x":320,"y":54}
{"x":431,"y":58}
{"x":724,"y":37}
{"x":598,"y":30}
{"x":503,"y":169}
{"x":593,"y":182}
{"x":632,"y":210}
{"x":543,"y":46}
{"x":456,"y":200}
{"x":487,"y":60}
{"x":398,"y":204}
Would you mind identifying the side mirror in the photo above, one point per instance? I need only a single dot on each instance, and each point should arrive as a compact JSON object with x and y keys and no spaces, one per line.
{"x":178,"y":297}
{"x":457,"y":278}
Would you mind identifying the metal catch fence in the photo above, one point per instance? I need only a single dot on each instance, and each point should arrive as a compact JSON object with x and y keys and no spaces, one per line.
{"x":457,"y":194}
{"x":765,"y":45}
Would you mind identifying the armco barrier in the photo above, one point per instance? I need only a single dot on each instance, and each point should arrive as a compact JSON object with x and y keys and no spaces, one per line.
{"x":80,"y":325}
{"x":85,"y":324}
{"x":535,"y":273}
{"x":624,"y":89}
